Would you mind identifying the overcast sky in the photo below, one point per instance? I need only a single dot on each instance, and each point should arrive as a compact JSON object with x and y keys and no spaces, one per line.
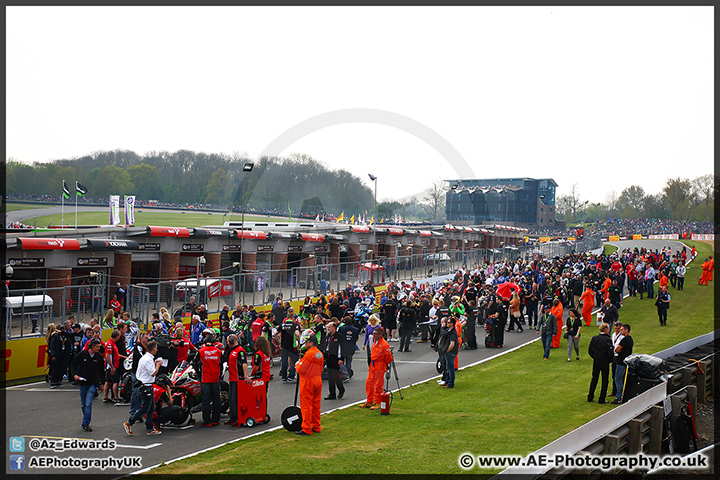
{"x":605,"y":97}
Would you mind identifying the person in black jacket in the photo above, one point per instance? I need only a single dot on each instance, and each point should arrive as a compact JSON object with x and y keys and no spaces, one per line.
{"x":408,"y":318}
{"x":89,"y":368}
{"x":601,"y":351}
{"x":424,"y":318}
{"x":59,"y":351}
{"x":333,"y":361}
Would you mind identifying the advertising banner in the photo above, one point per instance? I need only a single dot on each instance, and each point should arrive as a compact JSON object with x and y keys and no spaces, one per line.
{"x":114,"y":209}
{"x":129,"y":209}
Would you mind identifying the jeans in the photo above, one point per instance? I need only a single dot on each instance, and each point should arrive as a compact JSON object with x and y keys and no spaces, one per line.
{"x":680,"y":282}
{"x":210,"y":394}
{"x":650,"y":289}
{"x":87,"y":394}
{"x":135,"y":396}
{"x":423,"y":332}
{"x":450,"y":368}
{"x":547,"y":343}
{"x":632,"y":286}
{"x":619,"y":380}
{"x":347,"y":363}
{"x":284,"y":354}
{"x":147,"y":407}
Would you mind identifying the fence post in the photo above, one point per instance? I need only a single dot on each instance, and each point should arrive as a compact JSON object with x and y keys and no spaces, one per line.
{"x":692,"y":397}
{"x":676,"y":403}
{"x":657,"y":417}
{"x":686,"y":373}
{"x":701,"y":379}
{"x":611,"y":445}
{"x":635,"y":437}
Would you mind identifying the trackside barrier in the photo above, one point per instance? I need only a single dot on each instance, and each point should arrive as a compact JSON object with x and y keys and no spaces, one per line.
{"x":638,"y":425}
{"x":594,"y":430}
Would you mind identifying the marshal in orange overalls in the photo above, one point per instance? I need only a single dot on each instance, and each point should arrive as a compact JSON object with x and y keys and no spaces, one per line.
{"x":310,"y":368}
{"x":380,"y":358}
{"x":558,"y":312}
{"x":588,"y":299}
{"x":705,"y":277}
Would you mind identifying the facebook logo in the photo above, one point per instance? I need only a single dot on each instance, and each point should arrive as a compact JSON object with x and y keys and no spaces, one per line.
{"x":17,"y":462}
{"x":17,"y":444}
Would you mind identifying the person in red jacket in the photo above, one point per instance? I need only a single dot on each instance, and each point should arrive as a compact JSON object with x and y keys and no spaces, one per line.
{"x":261,"y":360}
{"x":112,"y":357}
{"x":712,"y":267}
{"x":310,"y":368}
{"x":380,"y":358}
{"x":210,"y":356}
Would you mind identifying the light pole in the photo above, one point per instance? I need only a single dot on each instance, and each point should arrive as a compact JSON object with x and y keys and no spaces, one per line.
{"x":374,"y":179}
{"x":246,"y":169}
{"x":453,"y":187}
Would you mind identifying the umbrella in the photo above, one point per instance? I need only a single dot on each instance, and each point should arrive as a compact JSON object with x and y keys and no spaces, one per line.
{"x":505,"y":289}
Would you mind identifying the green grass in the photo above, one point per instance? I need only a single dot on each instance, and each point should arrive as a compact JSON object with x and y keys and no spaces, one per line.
{"x":608,"y":249}
{"x":152,"y":217}
{"x":512,"y":405}
{"x":12,"y":207}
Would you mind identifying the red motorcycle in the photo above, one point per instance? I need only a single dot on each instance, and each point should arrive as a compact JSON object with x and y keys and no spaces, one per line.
{"x":174,"y":415}
{"x":186,"y":387}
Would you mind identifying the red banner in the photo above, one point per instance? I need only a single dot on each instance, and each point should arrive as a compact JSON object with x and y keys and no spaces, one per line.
{"x":169,"y":231}
{"x":50,"y":243}
{"x":312,"y":237}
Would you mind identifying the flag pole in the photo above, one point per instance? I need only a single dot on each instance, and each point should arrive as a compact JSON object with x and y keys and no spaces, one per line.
{"x":62,"y":208}
{"x":76,"y":195}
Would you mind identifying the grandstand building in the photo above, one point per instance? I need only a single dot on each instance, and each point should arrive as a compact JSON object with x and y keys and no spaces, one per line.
{"x":522,"y":202}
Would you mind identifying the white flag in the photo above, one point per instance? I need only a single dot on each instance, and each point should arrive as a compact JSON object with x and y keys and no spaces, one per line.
{"x":114,"y":209}
{"x":130,"y":210}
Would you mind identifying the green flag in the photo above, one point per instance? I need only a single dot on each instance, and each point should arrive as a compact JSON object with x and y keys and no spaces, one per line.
{"x":66,"y":192}
{"x":289,"y":212}
{"x":80,"y":189}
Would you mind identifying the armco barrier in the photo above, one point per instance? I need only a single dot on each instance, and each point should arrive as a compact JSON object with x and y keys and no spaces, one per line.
{"x":638,"y":424}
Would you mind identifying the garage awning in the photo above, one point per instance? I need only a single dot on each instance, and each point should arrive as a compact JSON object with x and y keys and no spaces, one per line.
{"x":168,"y":231}
{"x":312,"y":237}
{"x":111,"y":244}
{"x":249,"y":234}
{"x":360,"y":229}
{"x":49,"y":243}
{"x":210,"y":232}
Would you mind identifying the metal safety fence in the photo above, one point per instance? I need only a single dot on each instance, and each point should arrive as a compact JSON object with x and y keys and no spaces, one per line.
{"x":32,"y":310}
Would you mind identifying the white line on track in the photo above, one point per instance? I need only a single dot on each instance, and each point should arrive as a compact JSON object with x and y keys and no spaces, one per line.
{"x":141,"y":447}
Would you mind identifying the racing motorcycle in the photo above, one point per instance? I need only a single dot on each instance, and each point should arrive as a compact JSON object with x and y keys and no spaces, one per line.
{"x":186,"y":386}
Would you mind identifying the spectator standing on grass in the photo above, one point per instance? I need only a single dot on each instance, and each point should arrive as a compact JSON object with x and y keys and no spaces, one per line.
{"x":601,"y":351}
{"x":616,"y":336}
{"x":572,"y":333}
{"x":548,"y":326}
{"x":663,"y":304}
{"x":609,"y":312}
{"x":680,"y":273}
{"x":624,"y":350}
{"x":650,"y":280}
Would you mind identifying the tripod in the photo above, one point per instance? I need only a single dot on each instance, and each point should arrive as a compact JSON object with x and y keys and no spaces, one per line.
{"x":387,"y":377}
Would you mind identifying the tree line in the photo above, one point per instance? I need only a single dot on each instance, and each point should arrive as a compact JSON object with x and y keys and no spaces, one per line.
{"x":187,"y":177}
{"x":681,"y":199}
